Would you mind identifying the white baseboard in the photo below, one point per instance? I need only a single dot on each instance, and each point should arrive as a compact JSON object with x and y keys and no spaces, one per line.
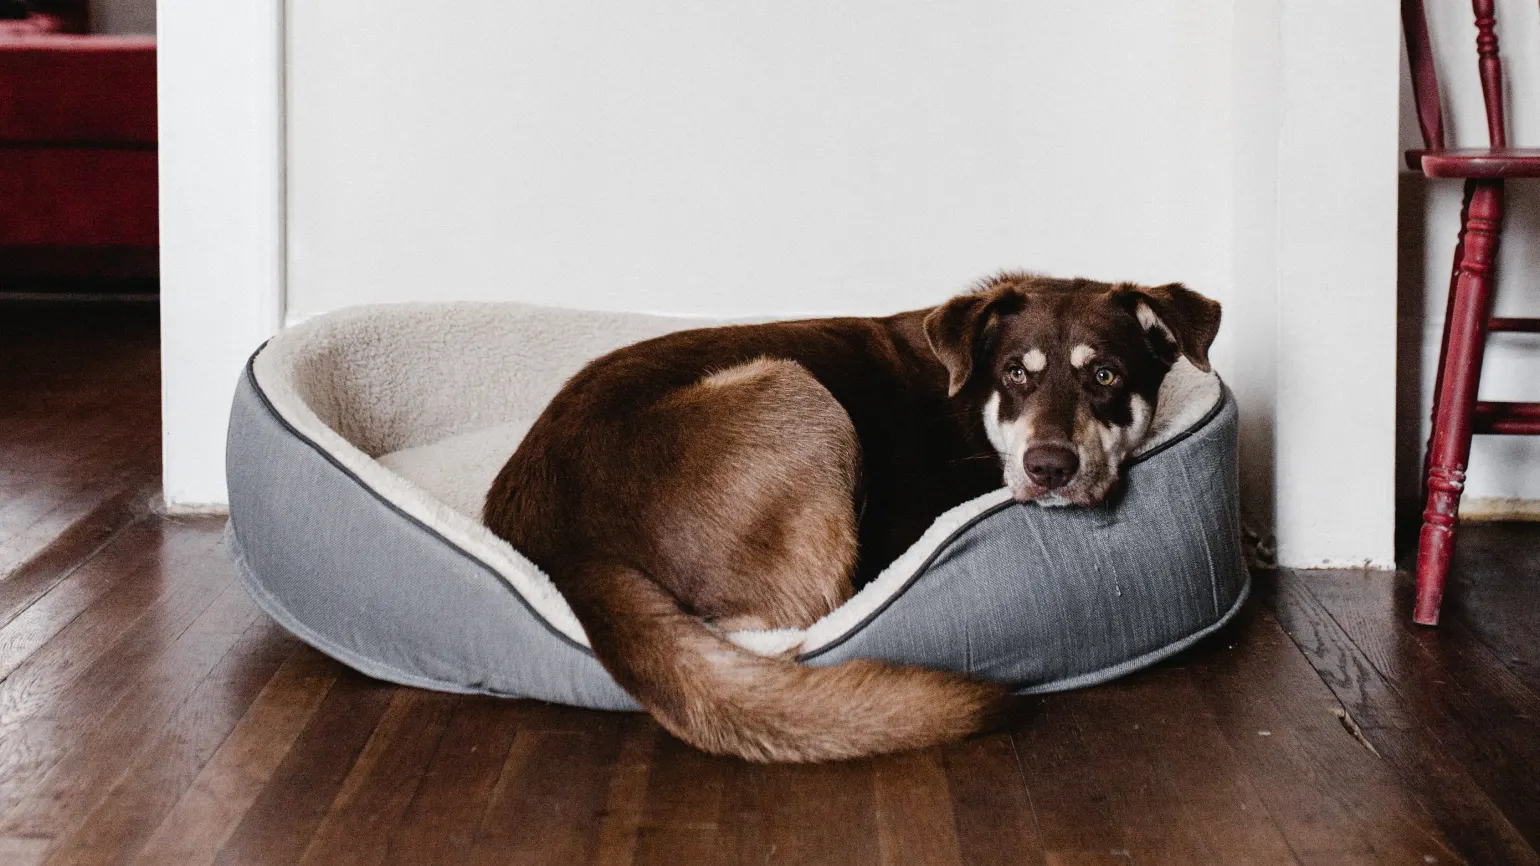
{"x":194,"y":509}
{"x":1345,"y":565}
{"x":1496,"y":508}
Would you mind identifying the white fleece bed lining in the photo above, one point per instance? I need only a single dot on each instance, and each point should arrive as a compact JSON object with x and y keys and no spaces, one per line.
{"x":442,"y":463}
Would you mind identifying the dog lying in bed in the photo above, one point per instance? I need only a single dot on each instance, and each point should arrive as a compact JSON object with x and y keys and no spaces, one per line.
{"x":750,"y":477}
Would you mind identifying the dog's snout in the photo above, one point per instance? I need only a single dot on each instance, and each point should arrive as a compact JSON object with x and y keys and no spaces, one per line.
{"x":1052,"y":466}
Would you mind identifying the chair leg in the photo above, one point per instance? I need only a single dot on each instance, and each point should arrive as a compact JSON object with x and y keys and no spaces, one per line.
{"x":1462,"y":355}
{"x":1443,"y":342}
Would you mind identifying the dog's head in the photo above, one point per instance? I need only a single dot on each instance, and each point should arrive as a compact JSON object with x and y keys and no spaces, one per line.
{"x":1066,"y":372}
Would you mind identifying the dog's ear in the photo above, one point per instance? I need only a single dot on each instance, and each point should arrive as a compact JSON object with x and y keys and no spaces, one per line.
{"x":959,"y":329}
{"x":1175,"y":319}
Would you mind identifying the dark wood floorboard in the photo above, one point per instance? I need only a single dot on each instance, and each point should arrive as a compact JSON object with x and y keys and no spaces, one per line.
{"x":682,"y":806}
{"x":382,"y":782}
{"x":1494,"y":585}
{"x":79,"y":417}
{"x":822,"y":814}
{"x":627,"y":796}
{"x":1333,"y":800}
{"x":278,"y":825}
{"x":1437,"y":704}
{"x":440,"y":823}
{"x":150,"y":714}
{"x":548,"y":805}
{"x":993,"y":810}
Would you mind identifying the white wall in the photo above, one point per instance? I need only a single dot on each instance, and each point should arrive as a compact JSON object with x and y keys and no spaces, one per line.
{"x":221,"y":211}
{"x":751,"y":157}
{"x":799,"y":157}
{"x":1504,"y":475}
{"x":1336,"y":301}
{"x":1250,"y":317}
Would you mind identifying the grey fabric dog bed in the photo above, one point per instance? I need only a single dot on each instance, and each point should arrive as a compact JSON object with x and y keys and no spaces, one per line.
{"x":362,"y":442}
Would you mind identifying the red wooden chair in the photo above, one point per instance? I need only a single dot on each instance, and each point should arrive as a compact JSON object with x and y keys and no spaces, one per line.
{"x":1457,"y":414}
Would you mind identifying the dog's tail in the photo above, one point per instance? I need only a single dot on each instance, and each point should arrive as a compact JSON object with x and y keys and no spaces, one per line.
{"x":723,"y":699}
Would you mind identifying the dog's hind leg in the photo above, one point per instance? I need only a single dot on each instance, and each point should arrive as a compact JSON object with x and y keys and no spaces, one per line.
{"x":760,"y":520}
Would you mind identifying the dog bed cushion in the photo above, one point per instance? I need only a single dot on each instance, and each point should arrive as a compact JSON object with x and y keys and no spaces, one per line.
{"x":362,"y":442}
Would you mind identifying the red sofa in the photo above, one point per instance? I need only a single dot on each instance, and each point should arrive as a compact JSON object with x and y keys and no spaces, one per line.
{"x":78,"y":179}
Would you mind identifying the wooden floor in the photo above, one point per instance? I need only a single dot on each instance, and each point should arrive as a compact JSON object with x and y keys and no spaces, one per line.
{"x":149,"y":713}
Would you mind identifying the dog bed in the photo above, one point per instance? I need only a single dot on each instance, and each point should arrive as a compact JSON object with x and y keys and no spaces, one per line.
{"x":362,"y":442}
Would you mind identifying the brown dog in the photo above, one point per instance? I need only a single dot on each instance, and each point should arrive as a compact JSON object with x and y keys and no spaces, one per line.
{"x":750,"y":476}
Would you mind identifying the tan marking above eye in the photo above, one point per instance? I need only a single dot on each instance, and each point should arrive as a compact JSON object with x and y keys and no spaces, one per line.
{"x":1034,"y":360}
{"x":1081,"y":355}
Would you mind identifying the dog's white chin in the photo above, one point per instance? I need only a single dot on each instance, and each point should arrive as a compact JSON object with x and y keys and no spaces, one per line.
{"x":1051,"y":499}
{"x":1068,"y":496}
{"x":1023,"y":490}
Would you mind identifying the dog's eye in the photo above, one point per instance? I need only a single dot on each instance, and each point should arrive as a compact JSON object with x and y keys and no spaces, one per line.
{"x":1016,"y":373}
{"x":1105,"y":376}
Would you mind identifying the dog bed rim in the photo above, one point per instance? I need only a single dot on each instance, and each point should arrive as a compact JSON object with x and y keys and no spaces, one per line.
{"x":256,"y":387}
{"x":848,"y":633}
{"x":1123,"y":668}
{"x":364,"y":664}
{"x":379,"y":670}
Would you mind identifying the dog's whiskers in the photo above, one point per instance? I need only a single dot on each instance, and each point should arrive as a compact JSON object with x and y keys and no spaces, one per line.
{"x":978,"y":457}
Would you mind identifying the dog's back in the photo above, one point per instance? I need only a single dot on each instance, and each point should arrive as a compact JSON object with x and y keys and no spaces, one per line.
{"x":921,"y":453}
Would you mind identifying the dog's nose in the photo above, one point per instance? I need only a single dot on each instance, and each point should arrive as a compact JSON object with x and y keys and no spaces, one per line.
{"x":1051,"y":465}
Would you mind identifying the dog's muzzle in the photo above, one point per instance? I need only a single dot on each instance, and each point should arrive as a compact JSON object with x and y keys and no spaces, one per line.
{"x":1051,"y":466}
